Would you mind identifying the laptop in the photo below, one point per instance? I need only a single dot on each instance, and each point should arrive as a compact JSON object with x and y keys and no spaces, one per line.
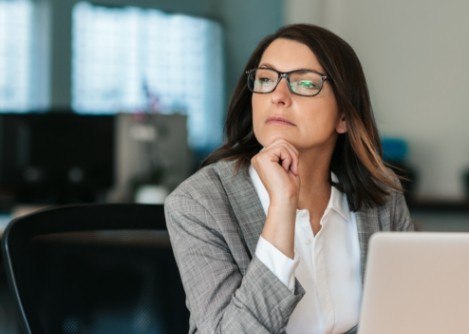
{"x":416,"y":283}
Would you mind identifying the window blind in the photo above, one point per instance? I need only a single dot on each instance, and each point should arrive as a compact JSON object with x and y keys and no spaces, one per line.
{"x":15,"y":55}
{"x":130,"y":59}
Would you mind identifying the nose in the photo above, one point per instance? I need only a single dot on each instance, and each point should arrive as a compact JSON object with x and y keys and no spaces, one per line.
{"x":281,"y":94}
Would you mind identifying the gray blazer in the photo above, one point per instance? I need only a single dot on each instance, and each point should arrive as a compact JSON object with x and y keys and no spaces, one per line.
{"x":214,"y":221}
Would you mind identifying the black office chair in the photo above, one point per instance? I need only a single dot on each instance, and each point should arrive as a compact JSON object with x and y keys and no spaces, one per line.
{"x":95,"y":269}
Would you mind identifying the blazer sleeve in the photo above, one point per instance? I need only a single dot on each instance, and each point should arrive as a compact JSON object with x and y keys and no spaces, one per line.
{"x":221,"y":299}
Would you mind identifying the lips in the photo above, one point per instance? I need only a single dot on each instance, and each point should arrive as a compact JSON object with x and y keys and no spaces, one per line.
{"x":278,"y":120}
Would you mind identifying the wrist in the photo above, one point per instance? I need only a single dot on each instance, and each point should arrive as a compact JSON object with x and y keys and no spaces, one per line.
{"x":284,"y":203}
{"x":279,"y":228}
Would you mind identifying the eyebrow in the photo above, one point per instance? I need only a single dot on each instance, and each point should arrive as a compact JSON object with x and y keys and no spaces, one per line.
{"x":267,"y":65}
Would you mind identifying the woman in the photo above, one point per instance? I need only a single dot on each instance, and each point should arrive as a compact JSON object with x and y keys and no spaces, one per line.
{"x":272,"y":234}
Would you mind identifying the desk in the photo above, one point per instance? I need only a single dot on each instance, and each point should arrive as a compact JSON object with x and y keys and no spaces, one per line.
{"x":440,"y":215}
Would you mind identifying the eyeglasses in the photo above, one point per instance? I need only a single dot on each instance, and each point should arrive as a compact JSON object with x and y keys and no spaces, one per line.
{"x":300,"y":82}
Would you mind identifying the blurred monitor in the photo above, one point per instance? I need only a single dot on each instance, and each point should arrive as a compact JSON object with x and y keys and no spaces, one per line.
{"x":55,"y":157}
{"x":151,"y":148}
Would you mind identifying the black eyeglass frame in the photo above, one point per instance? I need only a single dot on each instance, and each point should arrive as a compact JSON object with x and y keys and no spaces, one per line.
{"x":286,"y":75}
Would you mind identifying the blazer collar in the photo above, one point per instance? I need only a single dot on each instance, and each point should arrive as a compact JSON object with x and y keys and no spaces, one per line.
{"x":244,"y":201}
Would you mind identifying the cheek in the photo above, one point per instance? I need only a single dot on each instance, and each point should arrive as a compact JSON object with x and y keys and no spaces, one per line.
{"x":257,"y":127}
{"x":255,"y":103}
{"x":263,"y":135}
{"x":320,"y":120}
{"x":256,"y":115}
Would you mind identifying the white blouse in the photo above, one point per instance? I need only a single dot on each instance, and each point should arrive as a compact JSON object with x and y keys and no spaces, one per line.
{"x":327,"y":265}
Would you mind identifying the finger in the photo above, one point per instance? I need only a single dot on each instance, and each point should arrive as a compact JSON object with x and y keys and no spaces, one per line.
{"x":294,"y":153}
{"x":283,"y":142}
{"x":284,"y":153}
{"x":279,"y":155}
{"x":293,"y":158}
{"x":294,"y":164}
{"x":285,"y":158}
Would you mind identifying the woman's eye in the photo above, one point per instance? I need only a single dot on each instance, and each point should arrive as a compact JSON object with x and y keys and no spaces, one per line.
{"x":264,"y":81}
{"x":307,"y":84}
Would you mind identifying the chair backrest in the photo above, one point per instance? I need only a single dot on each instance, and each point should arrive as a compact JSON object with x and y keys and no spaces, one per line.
{"x":100,"y":268}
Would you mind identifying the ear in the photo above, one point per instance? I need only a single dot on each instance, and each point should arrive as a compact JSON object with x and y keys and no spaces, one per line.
{"x":341,"y":125}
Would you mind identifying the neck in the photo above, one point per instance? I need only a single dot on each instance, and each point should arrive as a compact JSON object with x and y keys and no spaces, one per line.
{"x":314,"y":172}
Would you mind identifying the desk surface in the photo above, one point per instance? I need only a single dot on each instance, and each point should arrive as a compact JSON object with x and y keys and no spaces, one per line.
{"x":439,"y":206}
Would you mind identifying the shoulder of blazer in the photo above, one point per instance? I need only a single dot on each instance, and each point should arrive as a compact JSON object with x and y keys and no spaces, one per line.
{"x":215,"y":186}
{"x":225,"y":192}
{"x":205,"y":181}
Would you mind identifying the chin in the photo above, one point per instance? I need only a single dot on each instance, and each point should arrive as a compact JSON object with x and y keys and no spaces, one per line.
{"x":269,"y":139}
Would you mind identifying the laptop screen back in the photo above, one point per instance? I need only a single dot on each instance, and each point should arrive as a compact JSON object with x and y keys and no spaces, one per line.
{"x":416,"y":283}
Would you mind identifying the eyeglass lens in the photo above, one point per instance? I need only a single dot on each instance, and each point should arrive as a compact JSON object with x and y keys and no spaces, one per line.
{"x":301,"y":82}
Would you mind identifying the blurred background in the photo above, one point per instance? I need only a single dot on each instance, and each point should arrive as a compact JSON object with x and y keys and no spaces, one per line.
{"x":102,"y":98}
{"x":120,"y":100}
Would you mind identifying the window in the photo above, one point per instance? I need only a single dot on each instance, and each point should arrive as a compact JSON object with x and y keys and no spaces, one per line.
{"x":130,"y":59}
{"x":15,"y":55}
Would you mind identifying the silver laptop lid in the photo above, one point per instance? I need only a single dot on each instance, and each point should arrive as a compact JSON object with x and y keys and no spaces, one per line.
{"x":416,"y":283}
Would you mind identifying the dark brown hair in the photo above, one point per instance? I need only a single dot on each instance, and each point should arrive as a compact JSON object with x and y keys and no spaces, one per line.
{"x":356,"y":160}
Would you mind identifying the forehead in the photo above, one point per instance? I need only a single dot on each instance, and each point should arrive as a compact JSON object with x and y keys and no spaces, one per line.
{"x":287,"y":55}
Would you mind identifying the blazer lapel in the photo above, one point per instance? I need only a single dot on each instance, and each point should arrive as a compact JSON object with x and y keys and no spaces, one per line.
{"x":367,"y":224}
{"x":245,"y":203}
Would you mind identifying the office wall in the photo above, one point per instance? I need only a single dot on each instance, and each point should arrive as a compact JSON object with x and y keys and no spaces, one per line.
{"x":246,"y":22}
{"x":414,"y":54}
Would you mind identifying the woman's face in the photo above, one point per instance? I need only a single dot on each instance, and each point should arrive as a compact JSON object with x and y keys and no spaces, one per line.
{"x":308,"y":123}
